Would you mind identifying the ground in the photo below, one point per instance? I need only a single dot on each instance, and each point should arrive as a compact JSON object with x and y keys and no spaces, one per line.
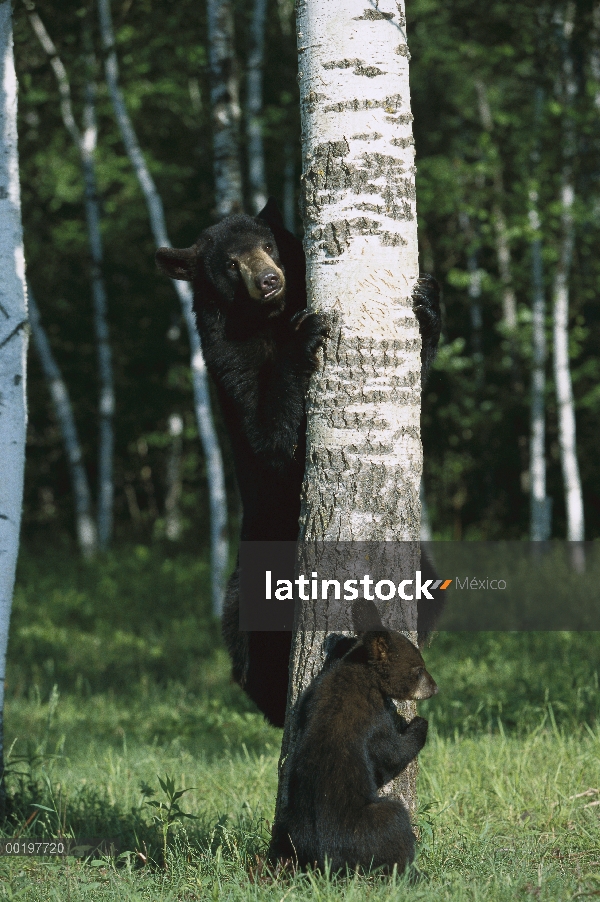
{"x":509,"y":780}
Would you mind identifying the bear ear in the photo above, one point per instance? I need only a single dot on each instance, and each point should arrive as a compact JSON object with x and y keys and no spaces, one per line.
{"x":365,"y":616}
{"x":378,"y":646}
{"x":178,"y":263}
{"x":271,"y":215}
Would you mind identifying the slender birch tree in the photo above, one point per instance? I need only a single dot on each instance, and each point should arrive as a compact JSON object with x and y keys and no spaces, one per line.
{"x":84,"y":520}
{"x":540,"y":504}
{"x":85,"y":141}
{"x":202,"y":405}
{"x":567,"y":89}
{"x":257,"y":181}
{"x":173,"y":493}
{"x":364,"y":456}
{"x":225,"y":107}
{"x":13,"y":350}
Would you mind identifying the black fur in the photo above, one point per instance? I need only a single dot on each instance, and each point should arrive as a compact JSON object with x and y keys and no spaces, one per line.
{"x":349,"y":742}
{"x":261,"y":354}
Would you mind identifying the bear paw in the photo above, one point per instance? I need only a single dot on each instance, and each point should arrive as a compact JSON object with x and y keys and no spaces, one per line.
{"x":310,"y":331}
{"x":418,"y":727}
{"x":426,"y":304}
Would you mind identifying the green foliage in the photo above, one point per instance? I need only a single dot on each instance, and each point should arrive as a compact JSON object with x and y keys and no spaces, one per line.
{"x":475,"y":412}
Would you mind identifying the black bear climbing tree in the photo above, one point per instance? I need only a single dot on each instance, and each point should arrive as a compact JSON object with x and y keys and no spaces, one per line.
{"x":364,"y":458}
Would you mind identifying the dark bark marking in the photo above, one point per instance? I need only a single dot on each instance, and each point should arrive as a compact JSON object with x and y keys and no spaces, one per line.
{"x":372,"y":15}
{"x":392,"y":104}
{"x":373,"y":136}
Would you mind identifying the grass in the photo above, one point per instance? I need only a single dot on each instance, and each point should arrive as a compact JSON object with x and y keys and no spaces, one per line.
{"x":509,"y":780}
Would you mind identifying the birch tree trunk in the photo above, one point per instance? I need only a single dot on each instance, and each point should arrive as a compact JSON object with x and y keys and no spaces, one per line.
{"x":84,"y":521}
{"x":364,"y":457}
{"x":173,"y":494}
{"x":202,"y":405}
{"x":225,"y":106}
{"x":540,"y":503}
{"x":13,"y":350}
{"x":254,"y":104}
{"x":562,"y":372}
{"x":86,"y":146}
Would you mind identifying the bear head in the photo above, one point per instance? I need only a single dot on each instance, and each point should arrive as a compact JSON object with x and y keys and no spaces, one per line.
{"x":396,"y":664}
{"x":237,"y":262}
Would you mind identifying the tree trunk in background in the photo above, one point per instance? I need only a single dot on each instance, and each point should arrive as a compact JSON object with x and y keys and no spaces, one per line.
{"x":540,"y":504}
{"x":426,"y":533}
{"x":364,"y":457}
{"x":85,"y":526}
{"x":257,"y":181}
{"x":562,"y":373}
{"x":173,"y":496}
{"x":106,"y":407}
{"x":202,"y":405}
{"x":474,"y":296}
{"x":225,"y":106}
{"x":86,"y":147}
{"x":509,"y":303}
{"x":13,"y":351}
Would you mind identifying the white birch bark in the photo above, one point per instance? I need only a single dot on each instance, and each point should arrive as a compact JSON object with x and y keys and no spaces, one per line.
{"x":202,"y":405}
{"x":364,"y":455}
{"x":540,"y":504}
{"x":13,"y":350}
{"x":257,"y":182}
{"x":84,"y":521}
{"x":173,"y":494}
{"x":426,"y":532}
{"x":85,"y":143}
{"x":225,"y":107}
{"x":503,"y":254}
{"x":562,"y":372}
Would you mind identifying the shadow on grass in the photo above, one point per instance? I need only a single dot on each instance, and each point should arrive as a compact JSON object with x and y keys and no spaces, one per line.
{"x":149,"y":834}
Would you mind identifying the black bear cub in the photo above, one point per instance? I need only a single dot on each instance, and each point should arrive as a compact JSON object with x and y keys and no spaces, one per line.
{"x":351,"y":741}
{"x":260,"y":345}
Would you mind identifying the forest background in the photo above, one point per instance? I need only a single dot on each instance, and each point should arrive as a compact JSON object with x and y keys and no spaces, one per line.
{"x":475,"y":409}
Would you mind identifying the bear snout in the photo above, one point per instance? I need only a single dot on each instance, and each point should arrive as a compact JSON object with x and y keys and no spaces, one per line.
{"x":268,"y":283}
{"x":426,"y":687}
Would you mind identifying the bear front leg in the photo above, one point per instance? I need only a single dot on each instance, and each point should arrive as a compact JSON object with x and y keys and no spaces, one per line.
{"x":426,"y":304}
{"x":283,"y":390}
{"x":391,"y":751}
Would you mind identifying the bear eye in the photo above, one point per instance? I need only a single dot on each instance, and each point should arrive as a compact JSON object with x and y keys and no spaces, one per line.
{"x":268,"y":247}
{"x":232,"y":265}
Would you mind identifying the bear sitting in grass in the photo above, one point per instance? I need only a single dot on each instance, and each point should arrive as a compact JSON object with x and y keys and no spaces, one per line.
{"x":349,"y":742}
{"x":260,"y":345}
